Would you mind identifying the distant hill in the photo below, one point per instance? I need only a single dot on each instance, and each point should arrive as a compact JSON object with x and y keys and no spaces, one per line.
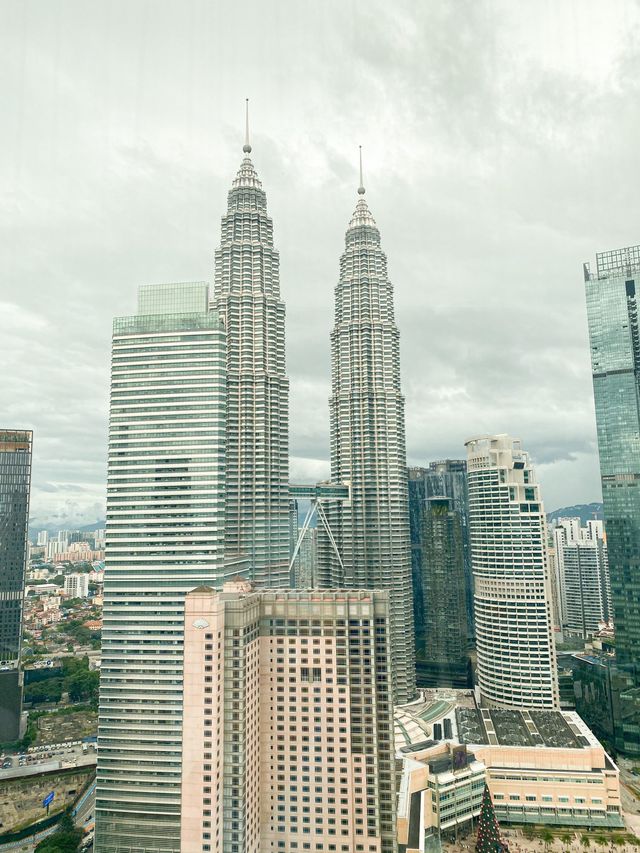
{"x":582,"y":511}
{"x":53,"y":528}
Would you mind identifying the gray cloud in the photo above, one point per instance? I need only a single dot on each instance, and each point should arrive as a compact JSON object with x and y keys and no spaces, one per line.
{"x":500,"y":146}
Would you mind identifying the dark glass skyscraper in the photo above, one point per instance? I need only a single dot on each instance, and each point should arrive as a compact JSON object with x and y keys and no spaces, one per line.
{"x":442,"y":660}
{"x":444,"y":478}
{"x":15,"y":483}
{"x":614,"y":332}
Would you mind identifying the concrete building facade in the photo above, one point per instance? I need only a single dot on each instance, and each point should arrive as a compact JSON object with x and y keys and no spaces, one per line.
{"x":288,"y":706}
{"x":514,"y":632}
{"x":77,"y":585}
{"x":583,"y":572}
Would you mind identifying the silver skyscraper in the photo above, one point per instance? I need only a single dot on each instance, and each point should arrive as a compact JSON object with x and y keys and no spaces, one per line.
{"x":164,"y":536}
{"x":247,"y":297}
{"x":371,"y":531}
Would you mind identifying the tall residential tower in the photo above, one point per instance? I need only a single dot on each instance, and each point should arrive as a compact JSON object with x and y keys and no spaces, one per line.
{"x":246,"y":295}
{"x":371,"y":531}
{"x":514,"y":635}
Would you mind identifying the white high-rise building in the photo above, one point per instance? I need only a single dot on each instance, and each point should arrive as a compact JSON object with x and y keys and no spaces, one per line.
{"x":77,"y":585}
{"x":371,"y":530}
{"x":583,"y":575}
{"x":164,"y":537}
{"x":246,"y":294}
{"x":507,"y":526}
{"x":43,"y":538}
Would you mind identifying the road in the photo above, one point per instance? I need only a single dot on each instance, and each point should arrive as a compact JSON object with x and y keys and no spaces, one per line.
{"x":82,"y":814}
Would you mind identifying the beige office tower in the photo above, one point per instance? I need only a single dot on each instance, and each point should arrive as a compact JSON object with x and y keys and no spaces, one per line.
{"x":507,"y":526}
{"x":287,"y":721}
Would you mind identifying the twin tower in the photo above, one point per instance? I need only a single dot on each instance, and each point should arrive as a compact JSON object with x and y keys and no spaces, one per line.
{"x":367,"y":428}
{"x":198,"y":485}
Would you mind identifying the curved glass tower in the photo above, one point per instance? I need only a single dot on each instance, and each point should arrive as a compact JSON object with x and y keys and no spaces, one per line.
{"x":368,"y":443}
{"x":247,"y":297}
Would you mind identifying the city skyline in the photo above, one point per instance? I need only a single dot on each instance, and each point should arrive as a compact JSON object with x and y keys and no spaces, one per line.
{"x":118,"y":157}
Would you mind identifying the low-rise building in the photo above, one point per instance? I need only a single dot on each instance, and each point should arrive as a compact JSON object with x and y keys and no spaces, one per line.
{"x":440,"y":792}
{"x":542,"y":767}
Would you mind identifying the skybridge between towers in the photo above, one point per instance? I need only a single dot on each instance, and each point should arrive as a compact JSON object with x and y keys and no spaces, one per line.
{"x":318,"y":494}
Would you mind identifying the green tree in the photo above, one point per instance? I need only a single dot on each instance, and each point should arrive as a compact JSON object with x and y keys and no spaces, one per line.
{"x":64,"y":840}
{"x":547,"y":836}
{"x":44,"y":691}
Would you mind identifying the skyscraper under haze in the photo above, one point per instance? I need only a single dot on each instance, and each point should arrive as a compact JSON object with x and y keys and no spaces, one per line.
{"x":368,"y":442}
{"x":246,"y":295}
{"x":507,"y":526}
{"x":614,"y":333}
{"x":15,"y":485}
{"x":164,"y":536}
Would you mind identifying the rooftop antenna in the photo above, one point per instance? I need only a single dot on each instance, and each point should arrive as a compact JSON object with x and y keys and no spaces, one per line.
{"x":247,"y":145}
{"x":361,"y":187}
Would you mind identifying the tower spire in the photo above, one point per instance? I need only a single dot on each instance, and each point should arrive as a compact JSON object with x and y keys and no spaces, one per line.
{"x":247,"y":145}
{"x":361,"y":187}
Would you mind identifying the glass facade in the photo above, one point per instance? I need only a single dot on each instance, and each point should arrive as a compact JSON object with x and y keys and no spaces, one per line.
{"x":612,"y":310}
{"x":445,"y":478}
{"x":15,"y":483}
{"x":164,"y":537}
{"x":442,"y":660}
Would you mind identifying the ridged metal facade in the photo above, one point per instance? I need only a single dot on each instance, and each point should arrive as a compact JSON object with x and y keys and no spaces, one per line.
{"x":368,"y":443}
{"x":247,"y":297}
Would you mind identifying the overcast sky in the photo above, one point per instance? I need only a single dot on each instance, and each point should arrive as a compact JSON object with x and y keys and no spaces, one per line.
{"x":501,"y":146}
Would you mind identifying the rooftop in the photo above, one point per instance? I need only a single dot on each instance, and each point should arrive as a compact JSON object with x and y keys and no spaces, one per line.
{"x":416,"y":723}
{"x":497,"y":727}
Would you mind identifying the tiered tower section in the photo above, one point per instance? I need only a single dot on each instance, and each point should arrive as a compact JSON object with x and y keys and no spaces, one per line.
{"x":247,"y":297}
{"x":368,"y":442}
